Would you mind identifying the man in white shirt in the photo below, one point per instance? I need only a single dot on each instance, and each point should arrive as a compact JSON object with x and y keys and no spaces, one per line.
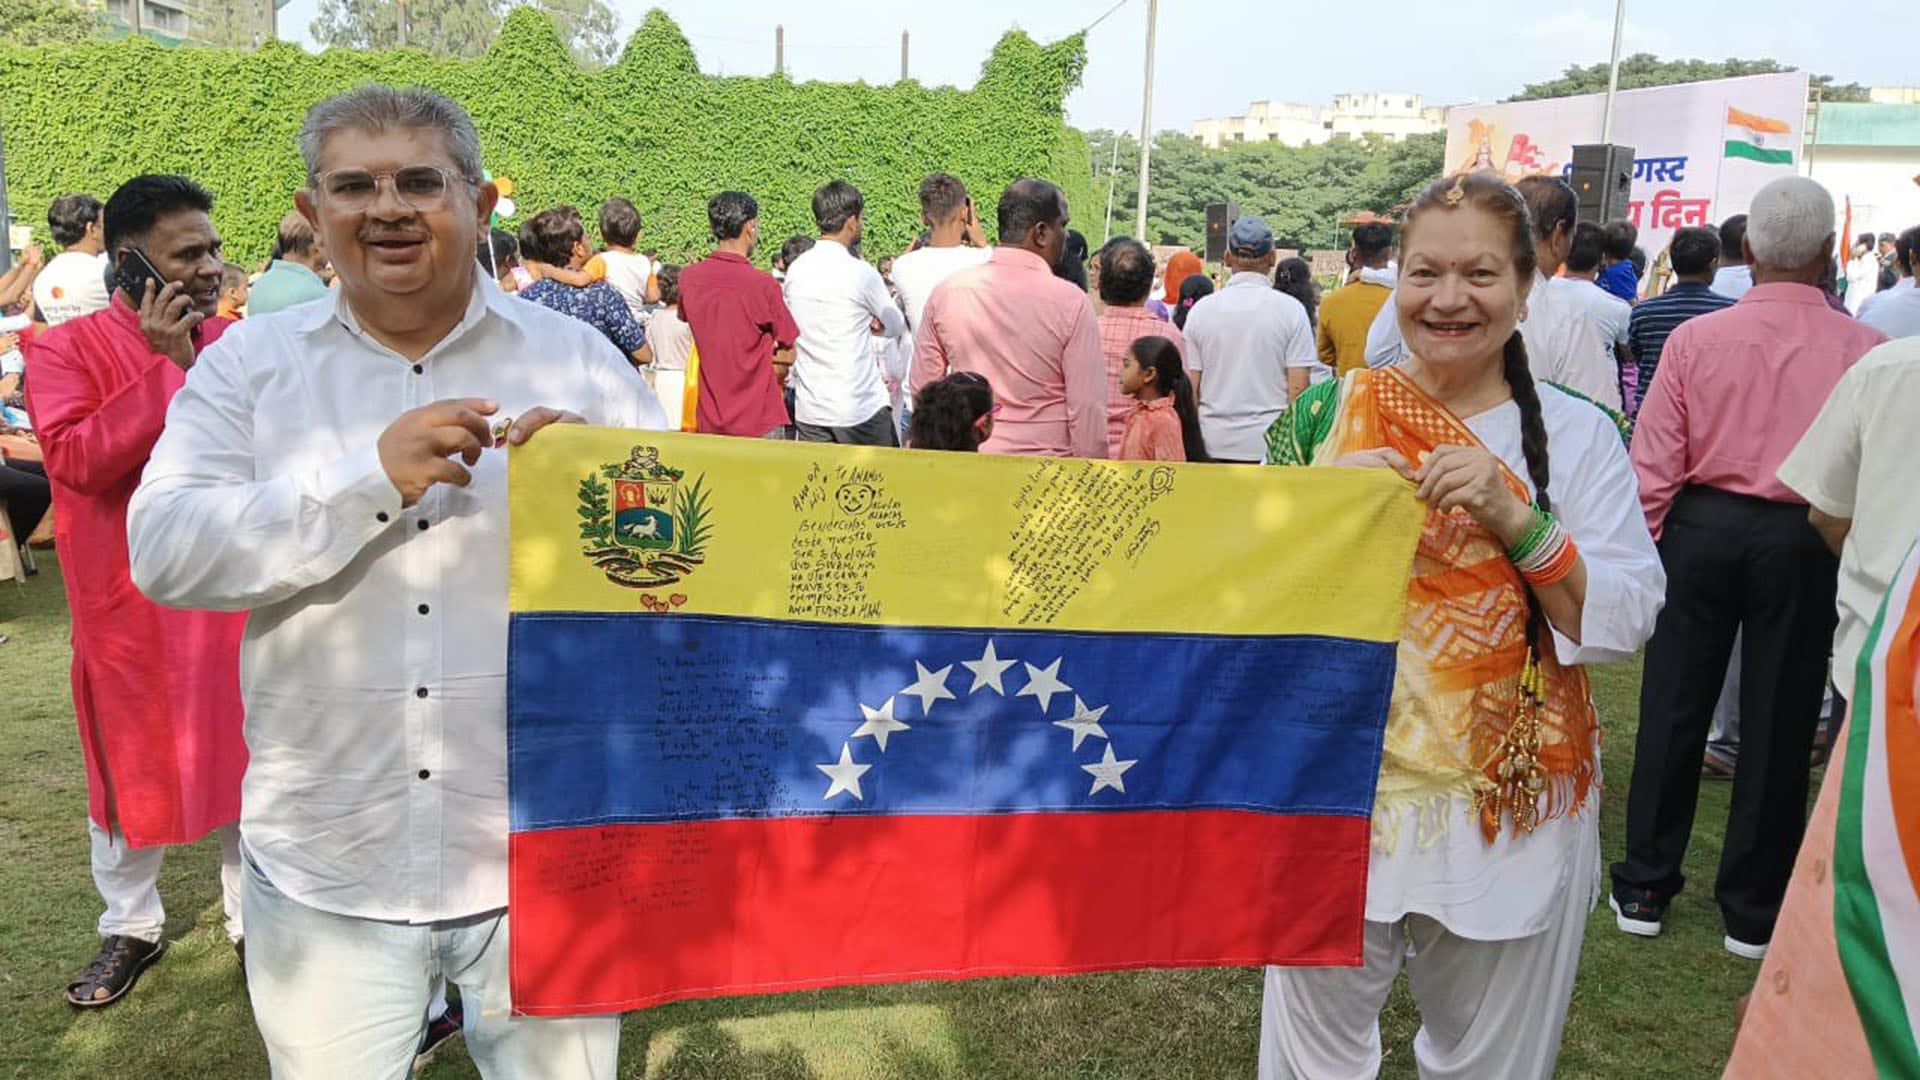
{"x":1863,"y":272}
{"x":840,"y":302}
{"x":1895,"y":311}
{"x":332,"y":469}
{"x":74,"y":282}
{"x":1567,"y":342}
{"x":1249,"y":348}
{"x":1854,"y":467}
{"x":1595,"y":350}
{"x":1734,"y":277}
{"x":955,"y":242}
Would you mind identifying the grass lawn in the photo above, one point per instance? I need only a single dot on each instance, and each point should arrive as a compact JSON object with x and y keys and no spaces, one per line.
{"x":1642,"y":1009}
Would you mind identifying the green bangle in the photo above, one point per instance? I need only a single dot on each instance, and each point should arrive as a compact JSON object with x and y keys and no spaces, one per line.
{"x":1536,"y":534}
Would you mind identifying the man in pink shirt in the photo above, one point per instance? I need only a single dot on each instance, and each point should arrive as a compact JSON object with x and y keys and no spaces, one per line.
{"x":1126,"y":279}
{"x":1734,"y":392}
{"x":1031,"y":334}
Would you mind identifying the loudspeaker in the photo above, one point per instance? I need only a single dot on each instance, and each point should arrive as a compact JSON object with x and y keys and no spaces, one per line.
{"x":1602,"y":181}
{"x":1220,"y":218}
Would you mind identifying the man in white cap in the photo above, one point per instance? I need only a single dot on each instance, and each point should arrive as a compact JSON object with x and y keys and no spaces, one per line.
{"x":1249,"y":348}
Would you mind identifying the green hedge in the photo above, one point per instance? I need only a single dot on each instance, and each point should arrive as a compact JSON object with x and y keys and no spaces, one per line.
{"x":650,"y":127}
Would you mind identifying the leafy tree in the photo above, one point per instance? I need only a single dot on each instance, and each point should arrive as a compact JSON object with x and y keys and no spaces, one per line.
{"x":230,"y":24}
{"x":463,"y":28}
{"x":1645,"y":69}
{"x":589,"y":27}
{"x":48,"y":22}
{"x":1303,"y":192}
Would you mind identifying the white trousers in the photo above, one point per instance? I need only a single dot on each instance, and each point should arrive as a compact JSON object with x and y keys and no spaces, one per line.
{"x":337,"y":996}
{"x":671,"y":388}
{"x":1487,"y":1008}
{"x":129,"y":882}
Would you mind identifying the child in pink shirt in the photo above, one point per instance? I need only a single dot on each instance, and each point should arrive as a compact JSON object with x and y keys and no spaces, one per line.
{"x":1165,"y":425}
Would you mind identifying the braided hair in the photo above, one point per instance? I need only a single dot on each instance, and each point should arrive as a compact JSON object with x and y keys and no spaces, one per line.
{"x":1489,"y":194}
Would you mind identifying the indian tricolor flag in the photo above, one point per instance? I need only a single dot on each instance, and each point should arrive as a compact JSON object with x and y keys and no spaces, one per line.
{"x":1876,"y":858}
{"x":1758,"y":138}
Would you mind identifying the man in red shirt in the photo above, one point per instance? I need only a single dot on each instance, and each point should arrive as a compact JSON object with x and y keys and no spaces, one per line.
{"x":1734,"y":392}
{"x":156,"y":690}
{"x":742,"y":330}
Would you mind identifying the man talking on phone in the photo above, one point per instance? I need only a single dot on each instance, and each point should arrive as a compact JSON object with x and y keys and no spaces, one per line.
{"x":156,"y":690}
{"x":339,"y":469}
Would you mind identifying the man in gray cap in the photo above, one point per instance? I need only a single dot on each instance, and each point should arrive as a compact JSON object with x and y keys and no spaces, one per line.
{"x":1249,"y":348}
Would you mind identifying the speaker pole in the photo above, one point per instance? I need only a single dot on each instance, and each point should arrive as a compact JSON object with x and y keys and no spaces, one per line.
{"x":1613,"y":69}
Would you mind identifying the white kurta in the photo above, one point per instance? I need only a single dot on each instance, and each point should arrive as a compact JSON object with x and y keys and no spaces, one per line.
{"x":1506,"y":890}
{"x":1489,"y":933}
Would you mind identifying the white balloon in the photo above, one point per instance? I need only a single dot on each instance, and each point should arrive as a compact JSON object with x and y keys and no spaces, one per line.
{"x":505,"y":207}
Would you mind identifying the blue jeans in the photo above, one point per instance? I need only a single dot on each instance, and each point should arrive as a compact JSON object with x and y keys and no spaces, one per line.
{"x":337,"y":996}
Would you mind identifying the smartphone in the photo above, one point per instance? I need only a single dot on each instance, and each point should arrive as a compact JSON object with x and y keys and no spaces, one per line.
{"x":135,"y":270}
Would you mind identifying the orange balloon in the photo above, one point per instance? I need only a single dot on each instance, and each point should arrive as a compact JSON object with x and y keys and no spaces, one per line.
{"x":503,"y":184}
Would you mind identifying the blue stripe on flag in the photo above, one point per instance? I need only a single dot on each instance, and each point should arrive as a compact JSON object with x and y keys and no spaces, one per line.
{"x":630,"y":718}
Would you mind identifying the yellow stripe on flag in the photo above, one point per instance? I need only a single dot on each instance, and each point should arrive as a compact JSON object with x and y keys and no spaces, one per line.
{"x":607,"y":521}
{"x":1754,"y":122}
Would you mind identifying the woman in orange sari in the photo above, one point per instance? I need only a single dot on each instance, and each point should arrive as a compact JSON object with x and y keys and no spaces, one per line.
{"x":1486,"y":859}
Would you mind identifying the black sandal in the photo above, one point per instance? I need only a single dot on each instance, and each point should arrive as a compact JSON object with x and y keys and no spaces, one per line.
{"x":114,"y":970}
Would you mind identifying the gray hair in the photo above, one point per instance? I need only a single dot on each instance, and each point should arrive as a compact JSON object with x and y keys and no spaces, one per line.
{"x":375,"y":107}
{"x":1789,"y":222}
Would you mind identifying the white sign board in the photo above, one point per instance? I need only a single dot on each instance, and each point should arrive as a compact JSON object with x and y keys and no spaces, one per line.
{"x":1701,"y":150}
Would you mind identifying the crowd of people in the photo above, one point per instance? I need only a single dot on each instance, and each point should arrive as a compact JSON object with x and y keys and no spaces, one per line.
{"x":283,"y":531}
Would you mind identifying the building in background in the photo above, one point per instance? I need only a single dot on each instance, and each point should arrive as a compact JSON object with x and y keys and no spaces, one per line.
{"x":1394,"y":116}
{"x":229,"y":23}
{"x":1869,"y":152}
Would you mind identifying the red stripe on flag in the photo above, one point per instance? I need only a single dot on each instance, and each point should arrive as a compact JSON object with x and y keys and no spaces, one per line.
{"x":610,"y":918}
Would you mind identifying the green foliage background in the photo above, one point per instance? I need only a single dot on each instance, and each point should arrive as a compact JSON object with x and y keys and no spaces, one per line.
{"x":1304,"y":192}
{"x":85,"y":117}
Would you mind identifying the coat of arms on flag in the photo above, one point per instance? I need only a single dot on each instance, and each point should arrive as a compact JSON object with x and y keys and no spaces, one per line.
{"x":648,"y":530}
{"x":937,"y":715}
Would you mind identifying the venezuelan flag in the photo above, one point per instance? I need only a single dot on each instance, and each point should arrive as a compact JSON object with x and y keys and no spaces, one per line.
{"x":785,"y":716}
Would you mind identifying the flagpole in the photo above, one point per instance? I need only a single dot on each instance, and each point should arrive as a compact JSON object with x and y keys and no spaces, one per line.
{"x":1613,"y":69}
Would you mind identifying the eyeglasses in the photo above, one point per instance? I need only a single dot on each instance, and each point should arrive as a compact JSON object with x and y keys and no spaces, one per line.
{"x":417,"y":187}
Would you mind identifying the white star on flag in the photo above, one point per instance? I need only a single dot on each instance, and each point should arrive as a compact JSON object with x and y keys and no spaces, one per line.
{"x":880,"y":724}
{"x":1106,"y":773}
{"x":987,"y":671}
{"x":846,"y":774}
{"x":931,"y":687}
{"x":1084,"y":722}
{"x":1043,"y":683}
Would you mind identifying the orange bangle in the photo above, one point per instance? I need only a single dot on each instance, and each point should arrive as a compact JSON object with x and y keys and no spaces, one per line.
{"x":1557,"y":569}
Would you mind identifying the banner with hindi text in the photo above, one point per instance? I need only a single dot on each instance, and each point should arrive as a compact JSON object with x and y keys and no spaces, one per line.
{"x":1701,"y":150}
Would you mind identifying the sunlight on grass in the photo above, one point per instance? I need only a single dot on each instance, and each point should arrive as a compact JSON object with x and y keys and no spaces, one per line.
{"x":831,"y":1044}
{"x":1642,"y":1009}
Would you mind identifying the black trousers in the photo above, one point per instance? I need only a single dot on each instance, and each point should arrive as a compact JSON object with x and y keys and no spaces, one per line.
{"x":26,"y":493}
{"x":1733,"y":563}
{"x":875,"y":430}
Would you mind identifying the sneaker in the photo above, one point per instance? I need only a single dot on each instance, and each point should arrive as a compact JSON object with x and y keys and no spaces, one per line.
{"x":1640,"y":915}
{"x":1744,"y":950}
{"x":439,"y":1030}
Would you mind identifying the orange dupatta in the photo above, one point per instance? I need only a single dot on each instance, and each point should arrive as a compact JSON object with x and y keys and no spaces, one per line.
{"x":1460,"y":722}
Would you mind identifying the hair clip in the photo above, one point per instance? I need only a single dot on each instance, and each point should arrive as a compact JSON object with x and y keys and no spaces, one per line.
{"x":1458,"y":191}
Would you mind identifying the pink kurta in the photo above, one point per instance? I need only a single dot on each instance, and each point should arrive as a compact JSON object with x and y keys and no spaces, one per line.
{"x":1035,"y":339}
{"x":156,"y":690}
